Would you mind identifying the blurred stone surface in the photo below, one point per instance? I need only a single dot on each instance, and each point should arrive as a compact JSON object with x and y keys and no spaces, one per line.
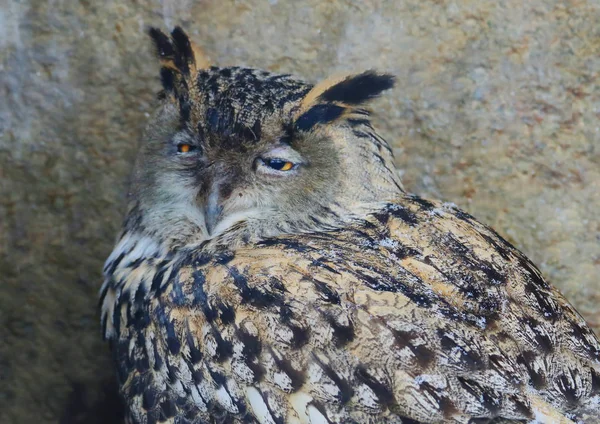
{"x":496,"y":109}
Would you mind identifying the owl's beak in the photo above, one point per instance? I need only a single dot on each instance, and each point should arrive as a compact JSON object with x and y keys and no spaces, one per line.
{"x":222,"y":208}
{"x":213,"y":209}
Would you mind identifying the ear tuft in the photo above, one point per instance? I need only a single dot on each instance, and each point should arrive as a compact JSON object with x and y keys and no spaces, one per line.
{"x":183,"y":46}
{"x":163,"y":45}
{"x":178,"y":56}
{"x":357,"y":89}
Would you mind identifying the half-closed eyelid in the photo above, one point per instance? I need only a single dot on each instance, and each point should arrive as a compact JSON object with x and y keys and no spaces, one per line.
{"x":186,"y":148}
{"x":283,"y":153}
{"x":185,"y":143}
{"x":280,"y":164}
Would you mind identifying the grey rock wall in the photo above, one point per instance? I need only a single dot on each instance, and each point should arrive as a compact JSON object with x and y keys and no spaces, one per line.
{"x":496,"y":109}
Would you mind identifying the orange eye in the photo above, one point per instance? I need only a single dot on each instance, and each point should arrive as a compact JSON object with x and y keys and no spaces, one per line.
{"x":279,"y":165}
{"x":184,"y":148}
{"x":287,"y":166}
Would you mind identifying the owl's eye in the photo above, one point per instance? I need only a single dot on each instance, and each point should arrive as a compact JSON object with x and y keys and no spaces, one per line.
{"x":185,"y":148}
{"x":279,"y":164}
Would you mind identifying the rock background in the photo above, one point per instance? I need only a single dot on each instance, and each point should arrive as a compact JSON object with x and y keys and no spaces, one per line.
{"x":496,"y":109}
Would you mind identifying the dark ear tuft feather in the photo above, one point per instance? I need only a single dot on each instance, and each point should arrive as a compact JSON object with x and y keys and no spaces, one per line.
{"x":179,"y":57}
{"x":183,"y":46}
{"x":319,"y":114}
{"x":163,"y":45}
{"x":357,"y":89}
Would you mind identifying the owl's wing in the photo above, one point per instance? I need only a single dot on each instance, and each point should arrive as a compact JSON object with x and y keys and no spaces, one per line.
{"x":418,"y":314}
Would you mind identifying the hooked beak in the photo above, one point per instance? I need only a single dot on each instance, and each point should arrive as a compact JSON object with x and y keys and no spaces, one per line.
{"x":213,"y":209}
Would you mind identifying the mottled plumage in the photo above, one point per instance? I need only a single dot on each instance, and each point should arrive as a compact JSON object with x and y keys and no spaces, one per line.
{"x":333,"y":296}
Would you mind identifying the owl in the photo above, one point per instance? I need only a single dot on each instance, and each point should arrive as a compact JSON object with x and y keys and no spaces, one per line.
{"x":272,"y":269}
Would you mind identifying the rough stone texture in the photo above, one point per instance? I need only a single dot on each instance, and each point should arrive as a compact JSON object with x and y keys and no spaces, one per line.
{"x":496,"y":109}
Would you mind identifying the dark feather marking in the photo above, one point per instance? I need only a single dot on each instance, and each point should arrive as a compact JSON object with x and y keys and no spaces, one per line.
{"x":463,"y":216}
{"x":549,"y":309}
{"x":219,"y":379}
{"x":167,"y":409}
{"x":110,"y":268}
{"x":319,"y":114}
{"x":158,"y":278}
{"x":197,"y":376}
{"x":533,"y":273}
{"x":138,"y":384}
{"x":500,"y":365}
{"x":359,"y":88}
{"x":423,"y":204}
{"x":469,"y":357}
{"x":252,"y":344}
{"x":595,"y":381}
{"x":568,"y":387}
{"x":117,"y":318}
{"x":287,"y":243}
{"x":300,"y":335}
{"x":444,"y":403}
{"x":195,"y":353}
{"x":522,"y":406}
{"x":142,"y":363}
{"x":403,"y":339}
{"x":103,"y":325}
{"x":385,"y":282}
{"x":502,"y":249}
{"x":152,"y":417}
{"x":167,"y":78}
{"x":122,"y":360}
{"x":328,"y":294}
{"x":342,"y":334}
{"x":490,"y":399}
{"x":140,"y":295}
{"x":450,"y":241}
{"x":358,"y":122}
{"x":227,"y":314}
{"x":224,"y":257}
{"x":184,"y":54}
{"x":361,"y":134}
{"x":200,"y":297}
{"x":406,"y":420}
{"x":257,"y":369}
{"x":185,"y":109}
{"x":172,"y":371}
{"x":383,"y":393}
{"x":583,"y":335}
{"x":346,"y":391}
{"x":543,"y":341}
{"x":277,"y":284}
{"x":224,"y":347}
{"x":297,"y":377}
{"x":253,"y":295}
{"x":149,"y":398}
{"x":167,"y":324}
{"x":527,"y":358}
{"x":158,"y":361}
{"x":404,"y":214}
{"x":163,"y":45}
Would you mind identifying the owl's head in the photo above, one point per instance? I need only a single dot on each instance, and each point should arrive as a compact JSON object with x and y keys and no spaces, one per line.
{"x":248,"y":152}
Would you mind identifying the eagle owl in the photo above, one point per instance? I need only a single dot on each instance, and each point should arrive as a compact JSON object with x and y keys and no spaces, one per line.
{"x":272,"y":269}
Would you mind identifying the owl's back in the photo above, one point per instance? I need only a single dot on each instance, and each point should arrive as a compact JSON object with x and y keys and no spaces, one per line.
{"x":417,"y":314}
